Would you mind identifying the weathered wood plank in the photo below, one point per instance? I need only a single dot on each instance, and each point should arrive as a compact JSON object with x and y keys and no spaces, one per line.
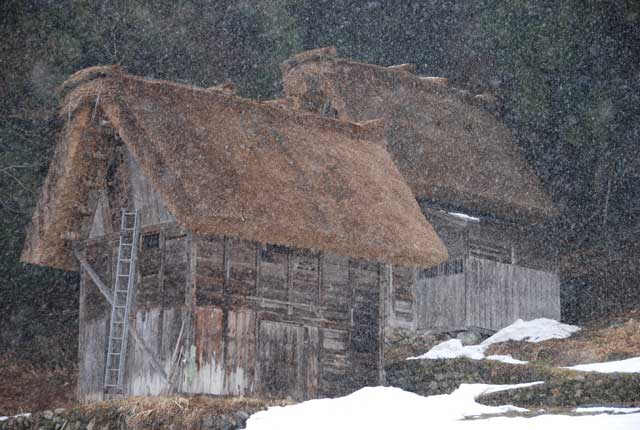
{"x":132,"y":331}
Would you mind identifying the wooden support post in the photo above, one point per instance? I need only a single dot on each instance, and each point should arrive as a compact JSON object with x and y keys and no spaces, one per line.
{"x":289,"y":281}
{"x":107,"y":295}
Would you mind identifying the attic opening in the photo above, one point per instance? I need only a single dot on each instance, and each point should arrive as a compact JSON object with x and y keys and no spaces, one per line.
{"x":151,"y":241}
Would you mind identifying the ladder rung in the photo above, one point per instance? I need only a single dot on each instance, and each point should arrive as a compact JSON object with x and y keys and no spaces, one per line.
{"x":113,"y":370}
{"x":117,"y":322}
{"x":126,"y":244}
{"x":125,"y":259}
{"x":116,"y":338}
{"x":123,"y":274}
{"x":122,"y":291}
{"x":115,"y":353}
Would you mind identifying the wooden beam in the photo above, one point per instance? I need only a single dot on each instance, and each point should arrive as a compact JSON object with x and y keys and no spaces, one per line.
{"x":93,"y":275}
{"x":132,"y":331}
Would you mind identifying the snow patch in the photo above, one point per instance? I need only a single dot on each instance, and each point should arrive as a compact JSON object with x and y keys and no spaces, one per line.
{"x":382,"y":408}
{"x":506,"y":359}
{"x":15,"y":416}
{"x":453,"y":349}
{"x":533,"y":331}
{"x":464,"y":216}
{"x":606,"y":409}
{"x":530,"y":331}
{"x":630,"y":365}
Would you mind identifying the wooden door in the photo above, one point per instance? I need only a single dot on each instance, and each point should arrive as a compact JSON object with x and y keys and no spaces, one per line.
{"x":288,"y":360}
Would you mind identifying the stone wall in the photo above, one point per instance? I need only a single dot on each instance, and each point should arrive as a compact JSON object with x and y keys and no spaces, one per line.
{"x":160,"y":413}
{"x":562,"y":387}
{"x":431,"y":377}
{"x":585,"y":389}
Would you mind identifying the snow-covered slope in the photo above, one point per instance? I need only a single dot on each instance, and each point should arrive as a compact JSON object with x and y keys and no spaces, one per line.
{"x":530,"y":331}
{"x":386,"y":408}
{"x":630,"y":365}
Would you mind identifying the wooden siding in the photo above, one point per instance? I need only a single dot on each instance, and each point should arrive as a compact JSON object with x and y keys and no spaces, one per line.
{"x":441,"y":301}
{"x":94,"y":323}
{"x":493,"y":239}
{"x":158,"y":312}
{"x":400,"y":301}
{"x":488,"y":294}
{"x":262,"y":319}
{"x":314,"y":320}
{"x":498,"y":294}
{"x":126,"y":187}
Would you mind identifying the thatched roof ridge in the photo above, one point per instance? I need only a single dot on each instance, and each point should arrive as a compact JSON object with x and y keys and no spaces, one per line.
{"x":449,"y":148}
{"x":225,"y":165}
{"x":433,"y":84}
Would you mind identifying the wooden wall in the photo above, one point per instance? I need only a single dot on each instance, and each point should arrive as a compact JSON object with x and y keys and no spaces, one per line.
{"x":158,"y":309}
{"x":126,"y":187}
{"x":485,"y":293}
{"x":496,"y":273}
{"x":492,"y":239}
{"x":400,"y":298}
{"x":262,"y":319}
{"x":281,"y":322}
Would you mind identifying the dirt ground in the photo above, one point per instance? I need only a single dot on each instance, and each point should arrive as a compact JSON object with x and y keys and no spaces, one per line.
{"x":26,"y":388}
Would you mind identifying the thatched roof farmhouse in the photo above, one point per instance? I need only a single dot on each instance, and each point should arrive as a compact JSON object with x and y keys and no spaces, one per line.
{"x":263,"y":240}
{"x":266,"y":248}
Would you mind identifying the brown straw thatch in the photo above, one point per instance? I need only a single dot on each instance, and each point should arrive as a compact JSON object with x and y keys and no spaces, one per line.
{"x":449,"y":148}
{"x":225,"y":165}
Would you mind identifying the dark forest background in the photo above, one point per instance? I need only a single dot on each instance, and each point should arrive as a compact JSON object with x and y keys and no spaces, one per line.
{"x":566,"y":73}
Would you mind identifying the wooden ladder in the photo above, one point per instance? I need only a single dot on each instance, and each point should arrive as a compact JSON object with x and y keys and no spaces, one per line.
{"x":121,"y":306}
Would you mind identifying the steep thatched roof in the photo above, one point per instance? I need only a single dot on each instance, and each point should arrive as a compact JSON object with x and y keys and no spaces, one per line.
{"x":229,"y":166}
{"x":449,"y":149}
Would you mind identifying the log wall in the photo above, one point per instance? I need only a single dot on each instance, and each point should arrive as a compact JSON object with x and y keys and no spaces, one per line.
{"x":262,"y":319}
{"x":281,"y":322}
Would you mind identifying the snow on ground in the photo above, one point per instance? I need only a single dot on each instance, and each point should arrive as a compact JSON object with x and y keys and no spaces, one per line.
{"x":506,"y":359}
{"x":606,"y":409}
{"x":15,"y":416}
{"x":464,"y":216}
{"x":387,"y":408}
{"x":533,"y":331}
{"x":453,"y":349}
{"x":630,"y":365}
{"x":530,"y":331}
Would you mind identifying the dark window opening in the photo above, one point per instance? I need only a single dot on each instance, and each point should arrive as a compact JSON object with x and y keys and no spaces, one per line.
{"x":451,"y":267}
{"x":151,"y":241}
{"x":269,"y":252}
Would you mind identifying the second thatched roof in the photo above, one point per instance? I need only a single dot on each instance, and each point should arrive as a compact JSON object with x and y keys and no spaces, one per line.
{"x":449,"y":148}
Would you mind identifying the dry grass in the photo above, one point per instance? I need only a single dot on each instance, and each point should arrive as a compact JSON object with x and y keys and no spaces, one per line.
{"x":182,"y":412}
{"x":594,"y":343}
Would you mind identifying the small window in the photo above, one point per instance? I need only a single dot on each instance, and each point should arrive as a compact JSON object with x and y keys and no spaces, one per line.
{"x":151,"y":241}
{"x":273,"y":253}
{"x":448,"y":268}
